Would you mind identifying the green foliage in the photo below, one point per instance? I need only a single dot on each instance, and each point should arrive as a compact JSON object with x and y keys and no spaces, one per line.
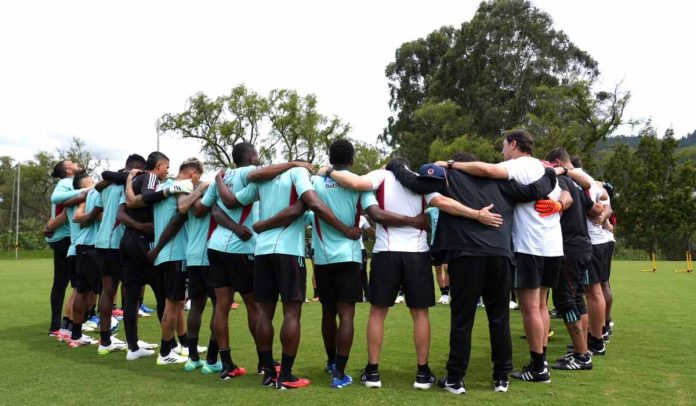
{"x":367,"y":158}
{"x":482,"y":148}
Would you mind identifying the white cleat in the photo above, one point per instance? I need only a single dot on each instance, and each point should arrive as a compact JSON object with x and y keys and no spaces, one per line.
{"x":147,"y":346}
{"x":117,"y":341}
{"x":171,"y":358}
{"x":514,"y":305}
{"x":187,"y":305}
{"x":113,"y":347}
{"x":142,"y":313}
{"x":444,"y":299}
{"x":140,"y":353}
{"x":399,"y":299}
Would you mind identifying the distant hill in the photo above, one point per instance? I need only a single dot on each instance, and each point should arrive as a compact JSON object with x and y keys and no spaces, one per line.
{"x":633,"y":140}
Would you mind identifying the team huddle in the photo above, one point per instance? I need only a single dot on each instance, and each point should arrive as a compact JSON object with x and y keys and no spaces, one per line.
{"x":535,"y":228}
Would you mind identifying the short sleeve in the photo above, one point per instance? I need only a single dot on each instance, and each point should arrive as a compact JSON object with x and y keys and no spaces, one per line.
{"x":210,"y":196}
{"x":98,"y":202}
{"x":377,"y":177}
{"x":122,"y":199}
{"x":300,"y":179}
{"x":364,"y":224}
{"x":511,"y":166}
{"x":248,"y":195}
{"x":431,"y":196}
{"x":367,"y":199}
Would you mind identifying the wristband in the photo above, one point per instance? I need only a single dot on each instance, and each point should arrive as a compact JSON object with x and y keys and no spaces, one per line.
{"x":328,"y":172}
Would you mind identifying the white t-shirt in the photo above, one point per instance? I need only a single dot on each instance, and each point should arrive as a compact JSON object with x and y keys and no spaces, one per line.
{"x":596,"y":231}
{"x":393,"y":197}
{"x":364,"y":225}
{"x":531,"y":233}
{"x":607,"y":233}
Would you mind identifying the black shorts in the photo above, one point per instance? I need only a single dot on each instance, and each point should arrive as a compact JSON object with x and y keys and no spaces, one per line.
{"x":339,"y":282}
{"x":172,"y":277}
{"x":410,"y":271}
{"x":70,"y":266}
{"x":109,"y":262}
{"x":199,"y":282}
{"x":596,"y":268}
{"x":606,"y":270}
{"x":87,"y":277}
{"x":568,"y":296}
{"x":533,"y":271}
{"x":234,"y":271}
{"x":135,"y":268}
{"x":280,"y":274}
{"x":438,"y":257}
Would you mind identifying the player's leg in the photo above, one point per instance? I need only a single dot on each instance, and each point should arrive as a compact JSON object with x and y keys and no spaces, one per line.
{"x":174,"y":292}
{"x":596,"y":306}
{"x":266,"y":296}
{"x":325,"y":276}
{"x":606,"y":289}
{"x":347,"y":290}
{"x":495,"y":292}
{"x":197,"y":293}
{"x":61,"y":278}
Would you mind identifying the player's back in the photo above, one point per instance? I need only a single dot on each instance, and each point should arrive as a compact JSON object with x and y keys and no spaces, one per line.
{"x":164,"y":212}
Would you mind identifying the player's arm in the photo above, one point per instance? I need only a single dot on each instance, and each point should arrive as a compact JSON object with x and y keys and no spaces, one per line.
{"x":223,"y":220}
{"x":62,"y":193}
{"x":128,"y":221}
{"x":186,"y":202}
{"x":411,"y":180}
{"x":169,"y":232}
{"x":132,"y":201}
{"x":101,"y":185}
{"x":117,"y":177}
{"x":389,"y":219}
{"x":348,"y":180}
{"x":320,"y":209}
{"x":271,"y":171}
{"x":481,"y":169}
{"x":283,"y":218}
{"x":85,"y":219}
{"x":76,"y":200}
{"x":455,"y":208}
{"x":528,"y":193}
{"x":578,"y":176}
{"x":54,"y":223}
{"x":148,"y":190}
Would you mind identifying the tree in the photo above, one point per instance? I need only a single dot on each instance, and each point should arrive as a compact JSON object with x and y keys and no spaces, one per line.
{"x":490,"y":67}
{"x":367,"y":158}
{"x":482,"y":148}
{"x":78,"y":152}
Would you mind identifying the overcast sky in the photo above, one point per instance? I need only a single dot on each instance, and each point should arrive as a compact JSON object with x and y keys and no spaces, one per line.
{"x":106,"y":72}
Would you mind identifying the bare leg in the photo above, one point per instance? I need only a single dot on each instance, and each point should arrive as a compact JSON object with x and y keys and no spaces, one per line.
{"x":421,"y":334}
{"x":375,"y":332}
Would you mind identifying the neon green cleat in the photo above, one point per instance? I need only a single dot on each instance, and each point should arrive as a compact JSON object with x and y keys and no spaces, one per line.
{"x":193,"y":365}
{"x":211,"y":369}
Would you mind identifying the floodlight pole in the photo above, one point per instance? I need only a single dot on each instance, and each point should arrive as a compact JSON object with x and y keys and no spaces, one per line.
{"x":17,"y":222}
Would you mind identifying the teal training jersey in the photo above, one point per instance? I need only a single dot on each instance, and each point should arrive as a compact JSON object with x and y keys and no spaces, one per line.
{"x":223,"y":239}
{"x":74,"y":230}
{"x":63,"y":191}
{"x":197,"y":232}
{"x":110,"y":230}
{"x":164,"y":212}
{"x":88,"y":235}
{"x":274,"y":196}
{"x":330,"y":245}
{"x":434,"y":214}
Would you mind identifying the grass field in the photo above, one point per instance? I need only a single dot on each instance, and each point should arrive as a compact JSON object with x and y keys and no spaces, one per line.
{"x":650,"y":358}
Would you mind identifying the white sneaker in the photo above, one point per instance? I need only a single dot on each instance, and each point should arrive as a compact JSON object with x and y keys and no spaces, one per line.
{"x":147,"y":346}
{"x":141,"y":353}
{"x":399,"y":299}
{"x":115,"y":340}
{"x":171,"y":358}
{"x":142,"y":313}
{"x":187,"y":305}
{"x":105,"y":350}
{"x":514,"y":305}
{"x":444,"y":299}
{"x":183,"y":351}
{"x":87,"y":340}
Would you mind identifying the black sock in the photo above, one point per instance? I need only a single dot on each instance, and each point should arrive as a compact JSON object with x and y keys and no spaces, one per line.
{"x":341,"y":362}
{"x":165,"y":347}
{"x":267,"y":360}
{"x":544,"y":352}
{"x":183,"y":340}
{"x":447,"y":290}
{"x":93,"y":311}
{"x":212,"y":352}
{"x":76,"y":331}
{"x":105,"y":338}
{"x":286,"y":365}
{"x":423,"y":369}
{"x":64,"y":323}
{"x":581,"y":357}
{"x":330,"y":355}
{"x":371,"y":367}
{"x":193,"y":348}
{"x":226,"y":356}
{"x":537,"y":361}
{"x":443,"y":291}
{"x":68,"y":325}
{"x":172,"y":343}
{"x":113,"y":306}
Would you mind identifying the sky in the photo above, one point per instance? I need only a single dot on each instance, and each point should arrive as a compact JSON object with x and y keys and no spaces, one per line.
{"x":105,"y":71}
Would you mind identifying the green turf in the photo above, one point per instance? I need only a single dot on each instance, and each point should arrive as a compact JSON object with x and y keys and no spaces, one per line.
{"x":649,"y":358}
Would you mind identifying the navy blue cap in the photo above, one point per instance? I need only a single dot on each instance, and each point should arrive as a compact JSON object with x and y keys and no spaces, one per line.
{"x":432,"y":171}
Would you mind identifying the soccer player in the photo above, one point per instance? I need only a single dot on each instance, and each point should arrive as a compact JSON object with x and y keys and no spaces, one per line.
{"x":367,"y":231}
{"x":135,"y":243}
{"x":608,"y":226}
{"x":338,"y":258}
{"x":479,"y":255}
{"x":568,"y":296}
{"x":441,"y":274}
{"x":169,"y":255}
{"x":107,"y":243}
{"x":87,"y":280}
{"x":538,"y":246}
{"x":59,"y":239}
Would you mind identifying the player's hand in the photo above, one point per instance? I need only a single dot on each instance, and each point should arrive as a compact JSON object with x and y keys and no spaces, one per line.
{"x":181,"y":186}
{"x":243,"y":233}
{"x":146,"y":228}
{"x":598,"y":220}
{"x":48,"y":232}
{"x":488,"y":218}
{"x":421,"y":221}
{"x":220,"y":174}
{"x":259,"y":227}
{"x":548,"y":207}
{"x":300,"y":164}
{"x":152,"y":256}
{"x":322,"y":171}
{"x":354,"y":233}
{"x":134,"y":172}
{"x":442,"y":164}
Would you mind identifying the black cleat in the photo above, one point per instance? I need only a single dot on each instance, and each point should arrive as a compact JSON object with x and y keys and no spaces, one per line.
{"x":530,"y":375}
{"x":456,"y":387}
{"x":370,"y":379}
{"x":575,"y":363}
{"x":501,"y":385}
{"x":424,"y":380}
{"x":269,"y":378}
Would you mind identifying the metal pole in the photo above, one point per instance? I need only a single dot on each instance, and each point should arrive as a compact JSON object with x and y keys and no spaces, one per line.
{"x":12,"y":210}
{"x":17,"y":223}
